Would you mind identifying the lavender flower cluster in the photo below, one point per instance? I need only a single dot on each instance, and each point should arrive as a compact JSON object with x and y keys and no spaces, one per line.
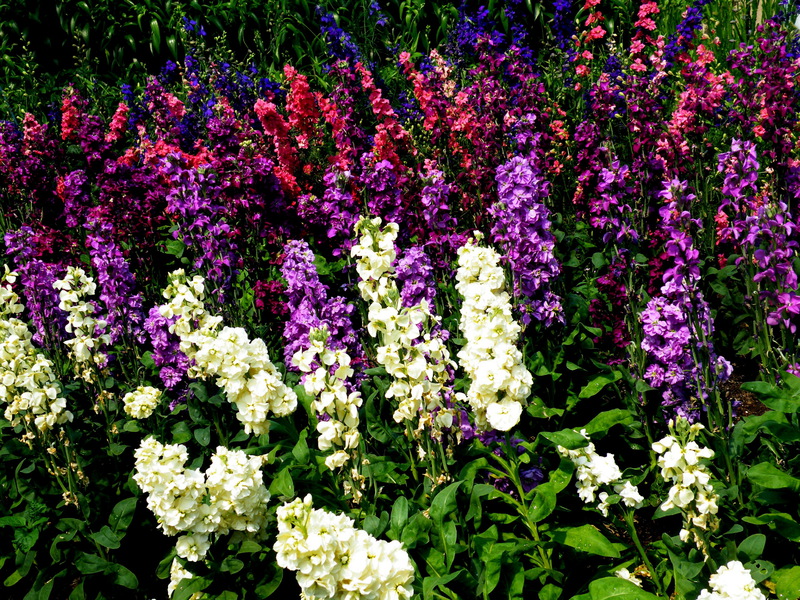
{"x":522,"y":230}
{"x":310,"y":307}
{"x":677,"y":325}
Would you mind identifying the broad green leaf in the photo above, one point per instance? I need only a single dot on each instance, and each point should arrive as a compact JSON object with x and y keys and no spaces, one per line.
{"x":203,"y":436}
{"x":444,"y":503}
{"x":282,"y":485}
{"x":106,"y":538}
{"x":781,"y":400}
{"x":569,"y":439}
{"x":300,"y":451}
{"x":614,"y":588}
{"x":753,"y":546}
{"x":231,"y":564}
{"x":91,"y":563}
{"x":429,"y":584}
{"x":188,"y":587}
{"x":783,"y":523}
{"x":124,"y":577}
{"x":122,"y":515}
{"x":769,"y":476}
{"x":543,"y":503}
{"x":787,"y":583}
{"x":585,"y":538}
{"x":596,"y":385}
{"x":606,"y":420}
{"x":399,"y":514}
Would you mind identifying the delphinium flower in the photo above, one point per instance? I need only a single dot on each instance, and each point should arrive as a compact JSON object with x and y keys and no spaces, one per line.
{"x":499,"y":381}
{"x":563,"y":27}
{"x":732,"y":581}
{"x":141,"y":402}
{"x":522,"y":230}
{"x":593,"y":471}
{"x":340,"y":43}
{"x":310,"y":307}
{"x":229,"y":496}
{"x":29,"y":388}
{"x":416,"y":359}
{"x":123,"y":305}
{"x":326,"y":380}
{"x":692,"y":22}
{"x":681,"y":460}
{"x":334,"y":559}
{"x":89,"y":337}
{"x":241,"y":366}
{"x":677,"y":324}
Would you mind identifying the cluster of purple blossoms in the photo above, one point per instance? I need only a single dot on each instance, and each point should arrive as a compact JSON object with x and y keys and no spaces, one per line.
{"x":72,"y":191}
{"x":677,"y":324}
{"x":311,"y":308}
{"x":608,"y":210}
{"x":200,"y":222}
{"x":167,"y":355}
{"x":739,"y":188}
{"x":380,"y":188}
{"x":692,"y":22}
{"x":414,"y":271}
{"x":522,"y":230}
{"x":337,"y":210}
{"x":37,"y":278}
{"x":117,"y":285}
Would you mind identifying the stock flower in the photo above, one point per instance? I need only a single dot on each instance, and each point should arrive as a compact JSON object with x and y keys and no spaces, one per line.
{"x":732,"y":581}
{"x":333,"y":559}
{"x":490,"y":356}
{"x":141,"y":402}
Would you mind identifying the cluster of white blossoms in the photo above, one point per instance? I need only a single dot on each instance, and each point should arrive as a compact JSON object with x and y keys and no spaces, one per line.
{"x":679,"y":457}
{"x":28,"y":384}
{"x":732,"y":582}
{"x":416,"y":361}
{"x":141,"y":402}
{"x":593,"y":470}
{"x":229,"y":496}
{"x":241,"y":366}
{"x":75,"y":288}
{"x":500,"y":383}
{"x":333,"y":559}
{"x":327,"y":372}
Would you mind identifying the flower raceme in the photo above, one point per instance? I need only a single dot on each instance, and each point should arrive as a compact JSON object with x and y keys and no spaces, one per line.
{"x":28,"y":384}
{"x":500,"y":383}
{"x":416,"y":360}
{"x":593,"y":470}
{"x":732,"y":582}
{"x":680,"y":459}
{"x":229,"y":496}
{"x":241,"y":366}
{"x":333,"y":559}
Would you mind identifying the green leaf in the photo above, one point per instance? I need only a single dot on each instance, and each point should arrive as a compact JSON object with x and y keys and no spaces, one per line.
{"x":614,"y":588}
{"x":181,"y":433}
{"x":444,"y":503}
{"x":282,"y":485}
{"x":122,"y":515}
{"x":569,"y":439}
{"x":300,"y":450}
{"x":188,"y":587}
{"x":91,"y":563}
{"x":778,"y":399}
{"x":249,"y":547}
{"x":124,"y":577}
{"x":106,"y":538}
{"x":753,"y":546}
{"x":22,"y":571}
{"x":585,"y":538}
{"x":598,"y":383}
{"x":231,"y":565}
{"x":783,"y":523}
{"x":543,"y":503}
{"x":399,"y":514}
{"x":787,"y":583}
{"x":203,"y":436}
{"x":769,"y":476}
{"x":429,"y":584}
{"x":606,"y":420}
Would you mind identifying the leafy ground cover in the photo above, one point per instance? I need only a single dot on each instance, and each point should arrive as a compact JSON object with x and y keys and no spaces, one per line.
{"x":513,"y":317}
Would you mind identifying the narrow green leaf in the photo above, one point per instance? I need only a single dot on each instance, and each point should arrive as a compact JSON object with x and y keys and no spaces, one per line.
{"x":444,"y":503}
{"x":106,"y":538}
{"x":614,"y":588}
